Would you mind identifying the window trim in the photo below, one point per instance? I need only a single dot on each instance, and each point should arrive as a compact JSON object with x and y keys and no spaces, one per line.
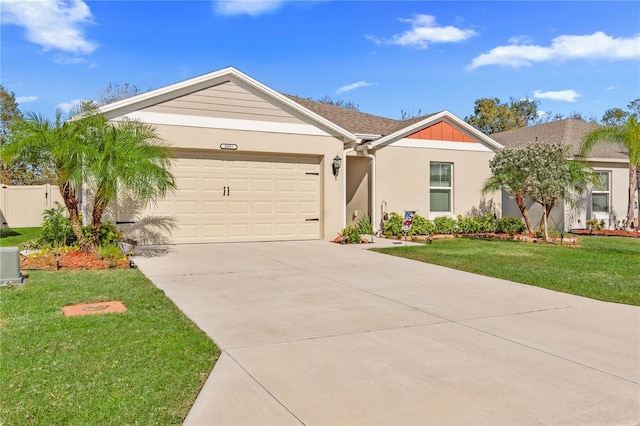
{"x":441,"y":188}
{"x":607,"y":191}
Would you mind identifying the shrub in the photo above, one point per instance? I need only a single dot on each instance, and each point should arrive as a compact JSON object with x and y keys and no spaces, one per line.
{"x":56,"y":229}
{"x":510,"y":225}
{"x":108,"y":234}
{"x":111,"y":253}
{"x":477,"y":224}
{"x":364,"y":225}
{"x":393,"y":225}
{"x":352,"y":234}
{"x":594,"y":225}
{"x":421,"y":226}
{"x":445,"y":225}
{"x":485,"y":208}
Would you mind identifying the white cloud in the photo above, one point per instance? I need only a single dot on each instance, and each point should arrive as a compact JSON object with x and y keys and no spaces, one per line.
{"x":26,"y":99}
{"x":69,"y":60}
{"x":247,"y":7}
{"x":53,"y":24}
{"x":353,"y":86}
{"x":425,"y":31}
{"x":563,"y":48}
{"x":560,"y":95}
{"x":67,"y":106}
{"x":612,"y":88}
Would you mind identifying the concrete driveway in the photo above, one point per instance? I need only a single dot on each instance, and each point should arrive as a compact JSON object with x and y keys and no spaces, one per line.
{"x":318,"y":333}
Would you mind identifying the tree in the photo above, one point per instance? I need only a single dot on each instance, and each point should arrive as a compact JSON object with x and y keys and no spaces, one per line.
{"x":618,"y":116}
{"x":405,"y":115}
{"x":128,"y":158}
{"x":339,"y":103}
{"x":125,"y":157}
{"x":44,"y":143}
{"x":540,"y":172}
{"x":507,"y":175}
{"x":490,"y":115}
{"x":629,"y":135}
{"x":116,"y":92}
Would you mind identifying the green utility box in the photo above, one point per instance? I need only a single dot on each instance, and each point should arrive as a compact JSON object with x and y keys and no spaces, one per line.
{"x":10,"y":266}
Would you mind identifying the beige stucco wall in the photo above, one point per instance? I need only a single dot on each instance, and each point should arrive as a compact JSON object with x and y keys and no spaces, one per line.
{"x":402,"y":175}
{"x":357,"y":189}
{"x":263,"y":143}
{"x":619,"y":198}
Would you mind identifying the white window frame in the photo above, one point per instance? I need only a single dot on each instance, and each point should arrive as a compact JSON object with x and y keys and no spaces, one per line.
{"x":433,"y":213}
{"x":597,"y":190}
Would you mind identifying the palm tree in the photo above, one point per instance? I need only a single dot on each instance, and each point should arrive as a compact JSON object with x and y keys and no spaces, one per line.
{"x":629,"y":135}
{"x":43,"y":143}
{"x":127,"y":158}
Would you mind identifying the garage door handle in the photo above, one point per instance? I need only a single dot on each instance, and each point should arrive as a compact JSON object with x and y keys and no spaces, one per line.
{"x":315,"y":219}
{"x":225,"y":191}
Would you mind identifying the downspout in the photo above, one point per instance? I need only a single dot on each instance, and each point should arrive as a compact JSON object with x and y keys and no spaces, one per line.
{"x":372,"y":188}
{"x":344,"y":186}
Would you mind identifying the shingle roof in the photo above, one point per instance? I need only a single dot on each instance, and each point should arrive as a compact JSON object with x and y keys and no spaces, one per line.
{"x":355,"y":121}
{"x":568,"y":132}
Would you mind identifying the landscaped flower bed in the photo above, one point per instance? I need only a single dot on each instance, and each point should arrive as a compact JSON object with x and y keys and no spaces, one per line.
{"x":72,"y":260}
{"x":607,"y":232}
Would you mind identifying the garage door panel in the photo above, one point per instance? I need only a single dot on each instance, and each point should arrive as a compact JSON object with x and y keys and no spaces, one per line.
{"x":213,"y":208}
{"x":269,"y":198}
{"x":263,"y":207}
{"x":213,"y":185}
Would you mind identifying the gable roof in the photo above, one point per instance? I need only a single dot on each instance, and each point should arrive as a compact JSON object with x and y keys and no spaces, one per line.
{"x":567,"y":132}
{"x":411,"y":126}
{"x":144,"y":100}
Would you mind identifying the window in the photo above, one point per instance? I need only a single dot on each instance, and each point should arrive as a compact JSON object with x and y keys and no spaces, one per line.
{"x":601,"y":193}
{"x":440,"y":187}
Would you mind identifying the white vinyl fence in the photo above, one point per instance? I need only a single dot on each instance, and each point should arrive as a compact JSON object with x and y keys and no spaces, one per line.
{"x":21,"y":206}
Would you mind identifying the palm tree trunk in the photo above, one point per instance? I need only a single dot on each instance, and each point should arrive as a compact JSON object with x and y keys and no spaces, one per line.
{"x":546,"y":212}
{"x":522,"y":205}
{"x":99,"y":206}
{"x":71,"y":202}
{"x":633,"y":182}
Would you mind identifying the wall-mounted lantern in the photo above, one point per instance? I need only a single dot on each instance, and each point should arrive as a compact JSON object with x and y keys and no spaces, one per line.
{"x":337,"y":163}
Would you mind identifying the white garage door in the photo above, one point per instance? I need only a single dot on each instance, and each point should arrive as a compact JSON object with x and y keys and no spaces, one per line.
{"x":236,"y":198}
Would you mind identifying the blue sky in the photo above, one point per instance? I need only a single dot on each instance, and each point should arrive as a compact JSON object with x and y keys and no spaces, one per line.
{"x":386,"y":56}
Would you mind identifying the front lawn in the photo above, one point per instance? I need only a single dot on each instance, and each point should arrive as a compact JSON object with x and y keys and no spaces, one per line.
{"x":604,"y":268}
{"x":15,"y":236}
{"x":144,"y":366}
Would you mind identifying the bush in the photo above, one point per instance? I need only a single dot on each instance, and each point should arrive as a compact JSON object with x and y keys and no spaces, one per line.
{"x":364,"y":225}
{"x":421,"y":226}
{"x":108,"y":234}
{"x":477,"y":224}
{"x":510,"y":225}
{"x":393,"y":225}
{"x":56,"y":229}
{"x":111,"y":253}
{"x":445,"y":225}
{"x":352,"y":234}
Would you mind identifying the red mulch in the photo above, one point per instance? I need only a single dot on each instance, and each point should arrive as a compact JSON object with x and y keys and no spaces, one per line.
{"x":72,"y":260}
{"x":607,"y":232}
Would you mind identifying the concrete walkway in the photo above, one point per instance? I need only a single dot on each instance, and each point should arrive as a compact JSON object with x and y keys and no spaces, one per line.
{"x":321,"y":334}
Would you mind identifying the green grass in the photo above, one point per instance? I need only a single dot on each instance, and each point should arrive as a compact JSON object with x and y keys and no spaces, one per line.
{"x":144,"y":366}
{"x":16,"y":236}
{"x":603,"y":268}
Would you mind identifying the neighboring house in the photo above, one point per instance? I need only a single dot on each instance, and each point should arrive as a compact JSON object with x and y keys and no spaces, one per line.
{"x":605,"y":202}
{"x":252,"y":164}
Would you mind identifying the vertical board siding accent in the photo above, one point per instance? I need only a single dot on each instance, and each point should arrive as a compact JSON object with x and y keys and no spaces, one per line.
{"x":441,"y":131}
